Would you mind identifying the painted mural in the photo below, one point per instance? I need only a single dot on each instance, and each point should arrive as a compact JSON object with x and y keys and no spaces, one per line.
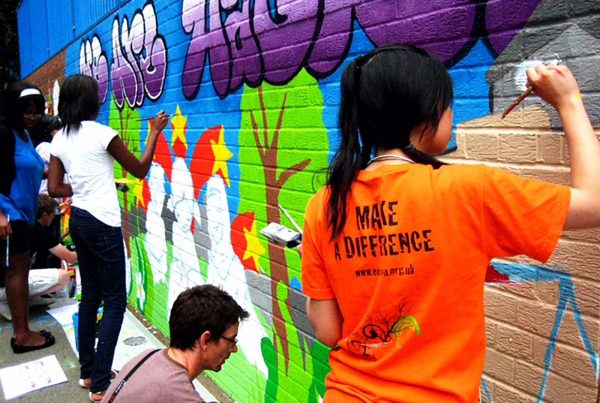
{"x":252,"y":90}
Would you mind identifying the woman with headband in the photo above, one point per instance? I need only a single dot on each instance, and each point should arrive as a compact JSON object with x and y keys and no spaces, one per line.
{"x":21,"y":170}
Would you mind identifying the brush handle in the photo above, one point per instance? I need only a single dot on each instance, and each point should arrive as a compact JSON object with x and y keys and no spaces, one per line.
{"x":517,"y":101}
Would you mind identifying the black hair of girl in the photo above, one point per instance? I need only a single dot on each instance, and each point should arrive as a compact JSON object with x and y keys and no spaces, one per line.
{"x":385,"y":94}
{"x":18,"y":100}
{"x":78,"y":101}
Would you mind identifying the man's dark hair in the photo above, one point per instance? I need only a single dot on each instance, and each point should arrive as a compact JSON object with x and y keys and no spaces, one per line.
{"x":43,"y":131}
{"x":199,"y":309}
{"x":46,"y":204}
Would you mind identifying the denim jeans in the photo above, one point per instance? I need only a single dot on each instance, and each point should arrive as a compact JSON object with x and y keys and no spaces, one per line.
{"x":101,"y":258}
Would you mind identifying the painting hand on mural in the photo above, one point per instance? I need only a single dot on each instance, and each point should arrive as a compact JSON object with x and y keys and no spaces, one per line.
{"x":557,"y":86}
{"x":139,"y":168}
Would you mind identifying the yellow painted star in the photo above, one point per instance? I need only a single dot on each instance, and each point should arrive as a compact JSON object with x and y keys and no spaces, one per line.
{"x":254,"y":249}
{"x":138,"y":191}
{"x":222,"y":155}
{"x":179,"y":123}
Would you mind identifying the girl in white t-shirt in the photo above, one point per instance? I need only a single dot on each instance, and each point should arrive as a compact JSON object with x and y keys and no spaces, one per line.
{"x":86,"y":151}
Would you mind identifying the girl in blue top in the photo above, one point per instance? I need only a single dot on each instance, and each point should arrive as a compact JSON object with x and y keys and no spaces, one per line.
{"x":21,"y":171}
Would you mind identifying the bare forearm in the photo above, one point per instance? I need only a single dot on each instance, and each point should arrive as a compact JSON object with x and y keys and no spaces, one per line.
{"x":326,"y":319}
{"x":60,"y":190}
{"x":63,"y":253}
{"x":139,"y":168}
{"x":147,"y":155}
{"x":584,"y":148}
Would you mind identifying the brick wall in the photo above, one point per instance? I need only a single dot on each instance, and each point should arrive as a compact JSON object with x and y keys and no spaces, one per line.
{"x":253,"y":125}
{"x":530,"y":344}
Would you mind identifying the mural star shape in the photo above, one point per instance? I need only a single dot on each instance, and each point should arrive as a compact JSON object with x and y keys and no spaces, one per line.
{"x":254,"y":248}
{"x":179,"y":124}
{"x":222,"y":155}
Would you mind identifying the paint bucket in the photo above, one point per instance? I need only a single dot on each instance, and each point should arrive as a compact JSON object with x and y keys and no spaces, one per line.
{"x":76,"y":329}
{"x":76,"y":325}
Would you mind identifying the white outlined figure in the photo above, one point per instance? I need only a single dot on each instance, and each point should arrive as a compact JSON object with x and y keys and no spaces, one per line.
{"x":155,"y":240}
{"x":226,"y":270}
{"x":185,"y":268}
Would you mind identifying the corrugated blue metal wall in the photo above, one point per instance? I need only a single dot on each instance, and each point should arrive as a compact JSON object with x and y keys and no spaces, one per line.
{"x":47,"y":26}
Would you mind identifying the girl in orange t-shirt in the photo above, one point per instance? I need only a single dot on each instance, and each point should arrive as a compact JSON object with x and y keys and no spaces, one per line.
{"x":396,"y":246}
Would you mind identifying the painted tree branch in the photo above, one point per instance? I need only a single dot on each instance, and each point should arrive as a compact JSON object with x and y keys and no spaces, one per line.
{"x":287,"y":174}
{"x":263,"y":108}
{"x":259,"y":146}
{"x":275,"y":142}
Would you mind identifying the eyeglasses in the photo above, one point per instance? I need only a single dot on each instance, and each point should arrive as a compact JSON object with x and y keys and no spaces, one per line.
{"x":33,"y":115}
{"x":232,"y":341}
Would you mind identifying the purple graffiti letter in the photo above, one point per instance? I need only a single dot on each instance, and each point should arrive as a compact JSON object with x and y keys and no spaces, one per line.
{"x":207,"y":37}
{"x":92,"y":62}
{"x":154,"y":64}
{"x":246,"y":62}
{"x":285,"y":35}
{"x":126,"y":78}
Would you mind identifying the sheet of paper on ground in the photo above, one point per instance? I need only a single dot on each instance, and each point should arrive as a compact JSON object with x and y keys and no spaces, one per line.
{"x":29,"y":376}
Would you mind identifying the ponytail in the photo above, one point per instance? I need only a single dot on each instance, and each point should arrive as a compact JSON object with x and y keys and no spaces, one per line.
{"x":349,"y":158}
{"x":385,"y":95}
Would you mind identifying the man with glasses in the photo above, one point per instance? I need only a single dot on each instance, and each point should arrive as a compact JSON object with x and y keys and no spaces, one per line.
{"x":203,"y":325}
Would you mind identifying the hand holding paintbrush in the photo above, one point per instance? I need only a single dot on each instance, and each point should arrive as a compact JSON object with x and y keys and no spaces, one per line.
{"x":529,"y":90}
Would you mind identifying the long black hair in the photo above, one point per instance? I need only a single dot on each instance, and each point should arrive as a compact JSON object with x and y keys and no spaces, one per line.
{"x":78,"y":101}
{"x":385,"y":94}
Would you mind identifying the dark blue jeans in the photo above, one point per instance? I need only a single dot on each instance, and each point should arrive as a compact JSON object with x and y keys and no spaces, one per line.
{"x":102,"y":267}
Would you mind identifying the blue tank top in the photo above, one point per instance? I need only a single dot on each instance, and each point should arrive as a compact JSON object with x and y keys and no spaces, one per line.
{"x":23,"y":200}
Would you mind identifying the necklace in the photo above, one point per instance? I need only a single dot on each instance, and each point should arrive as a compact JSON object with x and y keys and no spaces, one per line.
{"x":390,"y":157}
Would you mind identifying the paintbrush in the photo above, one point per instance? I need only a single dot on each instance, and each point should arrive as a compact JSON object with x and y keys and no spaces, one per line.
{"x":153,"y":117}
{"x":529,"y":90}
{"x":294,"y":223}
{"x":517,"y":101}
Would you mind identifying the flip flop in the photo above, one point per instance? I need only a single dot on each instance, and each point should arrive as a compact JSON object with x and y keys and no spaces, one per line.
{"x":86,"y":383}
{"x":18,"y":349}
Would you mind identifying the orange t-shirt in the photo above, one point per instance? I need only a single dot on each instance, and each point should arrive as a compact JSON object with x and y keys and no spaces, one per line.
{"x":408,"y":274}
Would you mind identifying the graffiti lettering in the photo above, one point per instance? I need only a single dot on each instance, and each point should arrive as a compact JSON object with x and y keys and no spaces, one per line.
{"x":92,"y":62}
{"x":246,"y":41}
{"x":139,"y":66}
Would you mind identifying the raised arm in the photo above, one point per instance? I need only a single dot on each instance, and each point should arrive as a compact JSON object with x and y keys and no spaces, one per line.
{"x":558,"y":87}
{"x":138,"y":168}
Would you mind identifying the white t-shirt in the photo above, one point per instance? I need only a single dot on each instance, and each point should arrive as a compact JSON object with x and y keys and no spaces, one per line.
{"x":90,"y":168}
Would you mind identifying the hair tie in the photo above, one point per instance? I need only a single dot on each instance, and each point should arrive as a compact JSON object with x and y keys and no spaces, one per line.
{"x":29,"y":91}
{"x":409,"y":148}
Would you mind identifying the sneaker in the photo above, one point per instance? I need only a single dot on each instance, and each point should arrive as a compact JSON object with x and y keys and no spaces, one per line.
{"x":97,"y":396}
{"x":5,"y":311}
